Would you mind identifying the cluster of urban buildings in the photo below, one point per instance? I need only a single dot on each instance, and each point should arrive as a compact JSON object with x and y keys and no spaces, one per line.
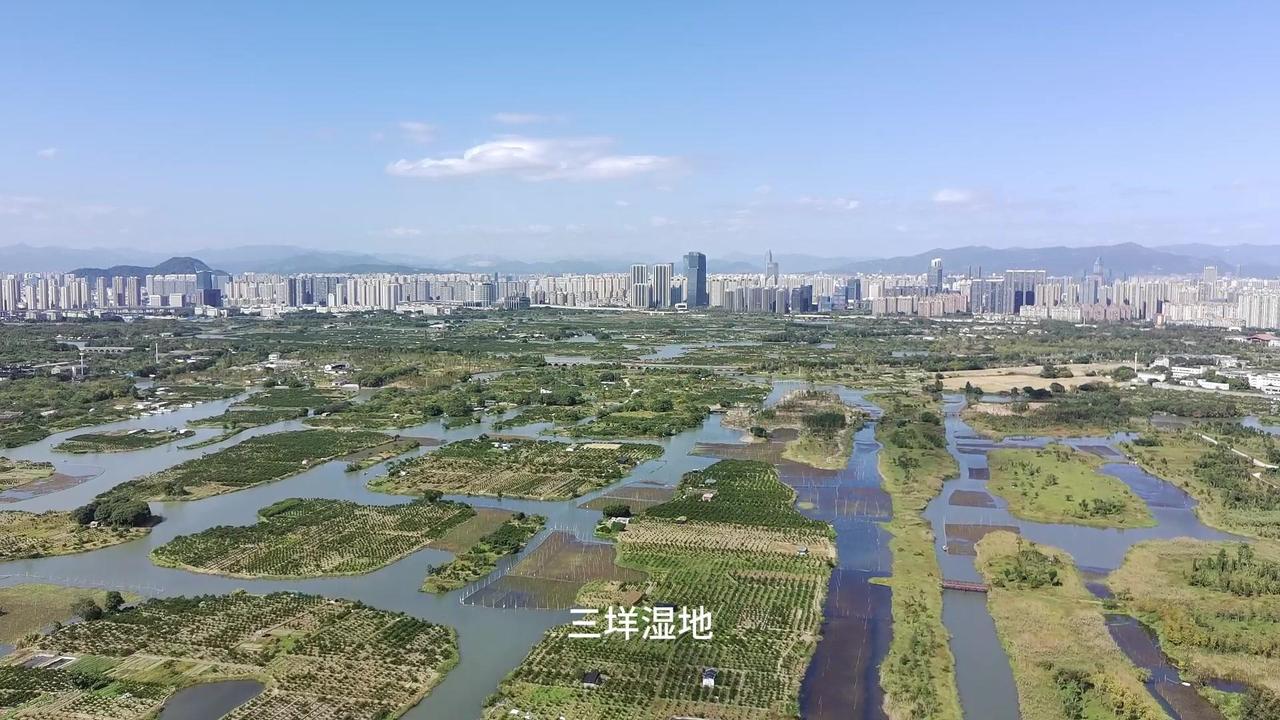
{"x":1025,"y":294}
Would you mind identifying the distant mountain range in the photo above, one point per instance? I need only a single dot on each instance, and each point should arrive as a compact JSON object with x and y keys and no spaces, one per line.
{"x":172,"y":266}
{"x":1122,"y":259}
{"x":1119,"y":260}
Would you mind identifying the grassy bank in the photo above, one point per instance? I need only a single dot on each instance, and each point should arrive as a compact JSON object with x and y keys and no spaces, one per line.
{"x":1064,"y":662}
{"x":20,"y":472}
{"x":1231,"y":497}
{"x":1058,"y":484}
{"x":918,"y":675}
{"x":1215,"y":606}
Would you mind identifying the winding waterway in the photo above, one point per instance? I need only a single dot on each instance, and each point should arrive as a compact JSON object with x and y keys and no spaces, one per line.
{"x":843,"y":678}
{"x":983,"y":676}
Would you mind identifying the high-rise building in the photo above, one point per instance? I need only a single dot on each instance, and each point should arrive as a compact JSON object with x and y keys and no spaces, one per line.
{"x":695,"y":279}
{"x":639,"y":288}
{"x":662,"y":274}
{"x":935,"y":274}
{"x":1020,"y":289}
{"x":770,"y":269}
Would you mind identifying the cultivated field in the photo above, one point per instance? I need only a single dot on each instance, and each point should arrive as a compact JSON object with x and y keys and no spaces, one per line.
{"x":540,"y":469}
{"x":320,"y":659}
{"x":31,"y":535}
{"x":258,"y":460}
{"x":119,"y":441}
{"x":764,"y":594}
{"x":313,"y":538}
{"x":481,"y":558}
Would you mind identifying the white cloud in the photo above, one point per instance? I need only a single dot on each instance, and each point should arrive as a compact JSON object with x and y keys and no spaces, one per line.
{"x":661,"y":221}
{"x":536,"y":159}
{"x":764,"y":189}
{"x":622,"y":203}
{"x":417,"y":132}
{"x":47,"y":153}
{"x":403,"y":232}
{"x":953,"y":196}
{"x":520,"y":118}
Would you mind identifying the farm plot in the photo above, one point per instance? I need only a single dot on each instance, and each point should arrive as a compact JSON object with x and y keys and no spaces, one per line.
{"x":482,"y":557}
{"x":759,"y":571}
{"x":740,"y":492}
{"x":120,"y":440}
{"x":539,"y":469}
{"x":766,"y":612}
{"x":320,"y":659}
{"x":551,"y":575}
{"x":26,"y":535}
{"x":816,"y":425}
{"x":258,"y":460}
{"x":314,"y":537}
{"x":637,"y":497}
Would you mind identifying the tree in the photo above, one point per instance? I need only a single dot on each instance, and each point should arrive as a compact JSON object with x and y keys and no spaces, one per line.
{"x":114,"y":601}
{"x":86,"y":608}
{"x":615,"y":510}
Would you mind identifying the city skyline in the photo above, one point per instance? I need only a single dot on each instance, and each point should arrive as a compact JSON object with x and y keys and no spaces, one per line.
{"x":831,"y":129}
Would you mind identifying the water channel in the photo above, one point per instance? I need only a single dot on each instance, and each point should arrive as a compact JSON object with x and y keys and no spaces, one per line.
{"x":965,"y":510}
{"x":843,"y":678}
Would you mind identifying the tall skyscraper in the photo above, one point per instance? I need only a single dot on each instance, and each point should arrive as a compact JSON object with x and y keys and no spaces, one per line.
{"x":935,"y":274}
{"x":695,"y":274}
{"x":640,"y":295}
{"x":662,"y":274}
{"x":770,"y":269}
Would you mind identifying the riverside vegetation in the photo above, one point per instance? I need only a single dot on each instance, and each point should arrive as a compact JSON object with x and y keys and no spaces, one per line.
{"x":918,"y":674}
{"x":1064,"y":662}
{"x":1216,"y":610}
{"x":823,"y":425}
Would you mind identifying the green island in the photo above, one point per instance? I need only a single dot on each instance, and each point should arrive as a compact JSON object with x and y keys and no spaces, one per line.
{"x":316,"y":658}
{"x":1234,"y":493}
{"x":515,"y":467}
{"x":274,"y":405}
{"x":25,"y":535}
{"x":120,"y":440}
{"x":255,"y":461}
{"x":29,"y":608}
{"x":822,"y":423}
{"x":1058,"y":484}
{"x":14,"y":473}
{"x":1216,"y":609}
{"x":1065,"y":663}
{"x":298,"y":538}
{"x":918,"y":673}
{"x":1092,"y":409}
{"x":761,"y":568}
{"x":482,"y":557}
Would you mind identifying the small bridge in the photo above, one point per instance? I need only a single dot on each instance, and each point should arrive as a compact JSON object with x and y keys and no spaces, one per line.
{"x":964,"y":586}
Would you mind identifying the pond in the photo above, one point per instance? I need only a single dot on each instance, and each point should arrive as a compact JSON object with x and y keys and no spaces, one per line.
{"x":209,"y":701}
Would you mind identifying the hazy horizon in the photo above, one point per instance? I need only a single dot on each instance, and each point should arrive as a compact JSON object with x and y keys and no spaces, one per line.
{"x":587,"y":131}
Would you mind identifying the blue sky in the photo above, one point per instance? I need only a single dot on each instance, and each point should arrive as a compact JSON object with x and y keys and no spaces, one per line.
{"x":575,"y":129}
